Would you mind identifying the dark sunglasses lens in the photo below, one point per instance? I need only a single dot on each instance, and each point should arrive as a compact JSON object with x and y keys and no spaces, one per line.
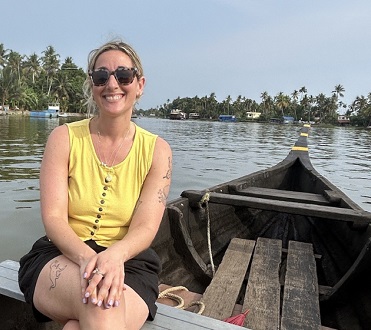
{"x":100,"y":77}
{"x":124,"y":76}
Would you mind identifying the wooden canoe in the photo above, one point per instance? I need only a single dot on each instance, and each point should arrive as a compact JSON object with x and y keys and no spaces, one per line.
{"x":287,"y":202}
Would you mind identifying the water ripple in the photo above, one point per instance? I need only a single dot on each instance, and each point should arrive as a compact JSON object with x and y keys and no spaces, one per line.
{"x":204,"y":154}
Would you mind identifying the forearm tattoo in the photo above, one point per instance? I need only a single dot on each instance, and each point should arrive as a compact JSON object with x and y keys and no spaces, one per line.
{"x":168,"y":172}
{"x":163,"y":194}
{"x":137,"y":206}
{"x":55,"y":273}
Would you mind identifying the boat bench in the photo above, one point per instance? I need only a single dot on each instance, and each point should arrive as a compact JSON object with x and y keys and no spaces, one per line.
{"x":270,"y":307}
{"x":285,"y":195}
{"x":16,"y":314}
{"x":291,"y":205}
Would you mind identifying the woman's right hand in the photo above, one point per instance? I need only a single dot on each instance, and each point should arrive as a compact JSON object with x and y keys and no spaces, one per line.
{"x":106,"y":274}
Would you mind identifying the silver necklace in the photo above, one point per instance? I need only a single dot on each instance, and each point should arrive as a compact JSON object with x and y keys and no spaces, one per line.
{"x":113,"y":156}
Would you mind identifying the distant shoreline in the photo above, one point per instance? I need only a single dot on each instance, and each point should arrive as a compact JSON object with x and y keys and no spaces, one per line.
{"x":26,"y":113}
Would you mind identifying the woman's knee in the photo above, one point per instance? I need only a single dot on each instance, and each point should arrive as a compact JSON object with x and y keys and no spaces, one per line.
{"x":72,"y":325}
{"x":113,"y":318}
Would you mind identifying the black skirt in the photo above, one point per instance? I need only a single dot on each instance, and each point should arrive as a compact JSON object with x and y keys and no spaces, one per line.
{"x":141,"y":273}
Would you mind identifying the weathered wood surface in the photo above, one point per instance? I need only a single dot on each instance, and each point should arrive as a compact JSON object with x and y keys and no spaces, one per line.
{"x":327,"y":212}
{"x":262,"y":296}
{"x":16,"y":314}
{"x":284,"y":195}
{"x":300,"y":308}
{"x":221,"y":295}
{"x":170,"y":318}
{"x":9,"y":280}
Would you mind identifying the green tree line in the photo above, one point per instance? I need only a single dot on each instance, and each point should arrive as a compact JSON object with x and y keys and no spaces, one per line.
{"x":33,"y":81}
{"x":299,"y":104}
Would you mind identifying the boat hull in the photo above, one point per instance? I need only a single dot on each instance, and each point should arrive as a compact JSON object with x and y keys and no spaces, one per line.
{"x":290,"y":201}
{"x":51,"y":112}
{"x":43,"y":114}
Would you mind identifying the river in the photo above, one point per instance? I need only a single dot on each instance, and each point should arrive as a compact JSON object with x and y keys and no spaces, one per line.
{"x":204,"y":154}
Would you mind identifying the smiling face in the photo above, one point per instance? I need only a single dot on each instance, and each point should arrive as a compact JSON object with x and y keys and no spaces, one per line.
{"x":114,"y":98}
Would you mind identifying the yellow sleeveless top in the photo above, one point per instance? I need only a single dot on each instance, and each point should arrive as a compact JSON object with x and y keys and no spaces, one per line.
{"x":102,"y":199}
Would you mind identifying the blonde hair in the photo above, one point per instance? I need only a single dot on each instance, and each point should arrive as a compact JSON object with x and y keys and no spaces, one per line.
{"x":92,"y":58}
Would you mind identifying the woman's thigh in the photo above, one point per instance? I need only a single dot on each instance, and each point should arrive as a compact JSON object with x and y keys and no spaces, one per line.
{"x":58,"y":290}
{"x":58,"y":295}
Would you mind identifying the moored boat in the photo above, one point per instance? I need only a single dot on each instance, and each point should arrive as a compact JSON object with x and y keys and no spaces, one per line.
{"x":51,"y":112}
{"x":343,"y":120}
{"x":177,"y":114}
{"x":227,"y":118}
{"x":194,"y":115}
{"x":289,"y":202}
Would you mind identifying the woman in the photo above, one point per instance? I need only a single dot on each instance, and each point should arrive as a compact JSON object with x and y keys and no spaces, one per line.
{"x":104,"y":183}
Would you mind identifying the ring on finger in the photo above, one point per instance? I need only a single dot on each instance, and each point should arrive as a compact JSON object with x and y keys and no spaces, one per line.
{"x":98,"y":272}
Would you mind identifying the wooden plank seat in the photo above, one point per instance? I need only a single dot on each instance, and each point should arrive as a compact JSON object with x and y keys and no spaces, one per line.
{"x":221,"y":295}
{"x":300,"y":308}
{"x":284,"y":195}
{"x":359,"y":217}
{"x":14,"y":312}
{"x":262,"y":295}
{"x":296,"y":308}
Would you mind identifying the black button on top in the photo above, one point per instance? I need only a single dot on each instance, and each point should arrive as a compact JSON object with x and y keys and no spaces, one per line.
{"x":100,"y":209}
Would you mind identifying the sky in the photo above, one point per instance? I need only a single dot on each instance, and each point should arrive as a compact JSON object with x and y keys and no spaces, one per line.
{"x":197,"y":47}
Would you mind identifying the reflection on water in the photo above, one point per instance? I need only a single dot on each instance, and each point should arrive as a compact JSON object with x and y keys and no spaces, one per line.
{"x":343,"y":156}
{"x":205,"y":154}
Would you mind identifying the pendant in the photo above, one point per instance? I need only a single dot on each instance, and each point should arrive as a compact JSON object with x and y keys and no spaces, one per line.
{"x":108,"y":178}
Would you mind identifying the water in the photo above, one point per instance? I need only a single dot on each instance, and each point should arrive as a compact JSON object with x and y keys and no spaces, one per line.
{"x":205,"y":154}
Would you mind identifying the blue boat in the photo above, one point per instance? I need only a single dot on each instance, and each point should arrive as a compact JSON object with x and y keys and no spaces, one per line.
{"x":227,"y":118}
{"x":51,"y":112}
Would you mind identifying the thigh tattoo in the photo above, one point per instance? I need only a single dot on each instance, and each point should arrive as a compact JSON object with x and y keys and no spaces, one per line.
{"x":55,"y":273}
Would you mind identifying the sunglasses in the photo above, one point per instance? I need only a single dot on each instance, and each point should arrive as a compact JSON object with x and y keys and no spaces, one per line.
{"x":123,"y":75}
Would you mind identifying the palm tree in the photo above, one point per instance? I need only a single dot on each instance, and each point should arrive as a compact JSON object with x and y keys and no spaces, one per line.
{"x":6,"y":85}
{"x":359,"y":104}
{"x":239,"y":106}
{"x":266,"y":102}
{"x":32,"y":66}
{"x":295,"y":97}
{"x":338,"y":91}
{"x":227,"y":101}
{"x":23,"y":96}
{"x":50,"y":62}
{"x":303,"y":91}
{"x":282,"y":101}
{"x":62,"y":85}
{"x":3,"y":55}
{"x":212,"y":103}
{"x":320,"y":101}
{"x":68,"y":64}
{"x":15,"y":64}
